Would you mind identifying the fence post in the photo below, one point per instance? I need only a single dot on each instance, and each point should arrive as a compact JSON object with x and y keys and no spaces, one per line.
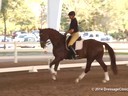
{"x":15,"y":52}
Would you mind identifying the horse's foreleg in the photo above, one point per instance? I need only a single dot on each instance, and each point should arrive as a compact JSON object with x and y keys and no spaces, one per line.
{"x":53,"y":69}
{"x":53,"y":72}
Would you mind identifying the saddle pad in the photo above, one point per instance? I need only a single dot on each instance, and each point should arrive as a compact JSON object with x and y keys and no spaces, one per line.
{"x":79,"y":45}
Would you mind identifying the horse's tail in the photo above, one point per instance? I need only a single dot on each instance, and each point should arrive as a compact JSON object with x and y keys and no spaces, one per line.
{"x":112,"y":57}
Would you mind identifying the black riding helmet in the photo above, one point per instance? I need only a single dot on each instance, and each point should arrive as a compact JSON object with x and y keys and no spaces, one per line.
{"x":72,"y":13}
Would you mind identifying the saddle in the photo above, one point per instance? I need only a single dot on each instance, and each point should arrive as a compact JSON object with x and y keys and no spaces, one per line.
{"x":79,"y":42}
{"x":74,"y":45}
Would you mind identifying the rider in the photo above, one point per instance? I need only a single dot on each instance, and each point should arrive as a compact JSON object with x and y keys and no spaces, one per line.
{"x":73,"y":30}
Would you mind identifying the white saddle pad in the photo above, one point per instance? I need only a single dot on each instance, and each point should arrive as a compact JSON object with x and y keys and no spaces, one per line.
{"x":79,"y":45}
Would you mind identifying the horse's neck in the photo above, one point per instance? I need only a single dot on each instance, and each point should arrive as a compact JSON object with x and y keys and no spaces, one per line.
{"x":57,"y":39}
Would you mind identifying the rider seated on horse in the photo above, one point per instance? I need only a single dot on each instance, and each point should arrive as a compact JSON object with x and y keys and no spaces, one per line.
{"x":73,"y":30}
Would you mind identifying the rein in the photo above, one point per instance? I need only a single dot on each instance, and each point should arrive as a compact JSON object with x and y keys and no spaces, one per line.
{"x":66,"y":43}
{"x":47,"y":42}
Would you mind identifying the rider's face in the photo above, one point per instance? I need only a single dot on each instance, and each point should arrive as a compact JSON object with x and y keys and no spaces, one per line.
{"x":71,"y":16}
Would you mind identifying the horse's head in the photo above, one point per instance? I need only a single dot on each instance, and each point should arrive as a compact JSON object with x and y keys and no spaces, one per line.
{"x":43,"y":37}
{"x":53,"y":35}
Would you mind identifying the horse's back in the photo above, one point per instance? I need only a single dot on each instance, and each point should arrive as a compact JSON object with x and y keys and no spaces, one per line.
{"x":92,"y":43}
{"x":93,"y":46}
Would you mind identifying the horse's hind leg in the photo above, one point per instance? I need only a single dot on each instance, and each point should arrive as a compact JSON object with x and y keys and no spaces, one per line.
{"x":87,"y":69}
{"x":101,"y":62}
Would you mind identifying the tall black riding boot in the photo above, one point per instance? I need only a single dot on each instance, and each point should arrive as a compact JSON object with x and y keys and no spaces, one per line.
{"x":73,"y":52}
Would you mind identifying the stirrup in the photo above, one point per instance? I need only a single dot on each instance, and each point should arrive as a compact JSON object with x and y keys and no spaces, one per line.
{"x":75,"y":57}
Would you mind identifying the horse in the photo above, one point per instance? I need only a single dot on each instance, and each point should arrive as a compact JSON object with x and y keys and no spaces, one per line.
{"x":92,"y":50}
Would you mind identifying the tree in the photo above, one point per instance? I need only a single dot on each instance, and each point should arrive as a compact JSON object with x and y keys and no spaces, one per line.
{"x":19,"y":15}
{"x":4,"y":15}
{"x":103,"y":15}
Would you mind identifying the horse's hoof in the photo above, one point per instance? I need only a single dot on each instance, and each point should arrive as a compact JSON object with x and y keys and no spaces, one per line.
{"x":54,"y":77}
{"x":77,"y":80}
{"x":105,"y":81}
{"x":53,"y":71}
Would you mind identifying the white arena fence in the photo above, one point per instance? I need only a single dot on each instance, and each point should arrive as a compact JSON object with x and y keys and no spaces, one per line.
{"x":117,"y":46}
{"x":120,"y":47}
{"x":15,"y":48}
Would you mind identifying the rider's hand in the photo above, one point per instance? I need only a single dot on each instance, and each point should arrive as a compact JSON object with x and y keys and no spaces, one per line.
{"x":65,"y":33}
{"x":71,"y":31}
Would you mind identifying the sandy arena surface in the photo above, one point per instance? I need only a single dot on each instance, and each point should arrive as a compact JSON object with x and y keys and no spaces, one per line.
{"x":41,"y":84}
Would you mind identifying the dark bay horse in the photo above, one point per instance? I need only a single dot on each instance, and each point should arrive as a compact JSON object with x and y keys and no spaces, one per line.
{"x":92,"y":50}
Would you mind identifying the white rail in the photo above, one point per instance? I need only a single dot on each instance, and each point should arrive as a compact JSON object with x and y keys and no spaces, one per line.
{"x":15,"y":49}
{"x":117,"y":46}
{"x":38,"y":67}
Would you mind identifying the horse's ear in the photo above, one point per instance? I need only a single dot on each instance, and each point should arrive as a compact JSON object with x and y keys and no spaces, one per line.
{"x":39,"y":28}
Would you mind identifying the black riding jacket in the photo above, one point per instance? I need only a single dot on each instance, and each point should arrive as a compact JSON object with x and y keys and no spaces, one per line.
{"x":74,"y":25}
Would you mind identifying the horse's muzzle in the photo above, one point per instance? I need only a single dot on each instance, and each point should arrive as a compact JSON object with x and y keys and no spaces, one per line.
{"x":42,"y":44}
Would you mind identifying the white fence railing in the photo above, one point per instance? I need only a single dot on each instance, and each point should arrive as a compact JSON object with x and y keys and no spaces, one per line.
{"x":117,"y":46}
{"x":16,"y":47}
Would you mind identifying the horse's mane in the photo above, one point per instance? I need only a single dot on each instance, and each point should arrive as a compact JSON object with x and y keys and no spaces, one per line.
{"x":53,"y":30}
